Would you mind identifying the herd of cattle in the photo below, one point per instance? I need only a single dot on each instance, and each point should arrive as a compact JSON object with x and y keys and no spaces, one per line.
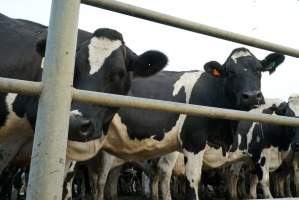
{"x":247,"y":156}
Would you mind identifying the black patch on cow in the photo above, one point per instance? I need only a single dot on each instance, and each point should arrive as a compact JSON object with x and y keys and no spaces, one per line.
{"x":190,"y":192}
{"x":143,"y":124}
{"x":197,"y":131}
{"x":3,"y":109}
{"x":108,"y":33}
{"x":263,"y":161}
{"x":258,"y":172}
{"x":185,"y":160}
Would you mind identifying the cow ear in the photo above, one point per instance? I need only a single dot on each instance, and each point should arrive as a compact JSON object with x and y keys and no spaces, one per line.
{"x":281,"y":109}
{"x":146,"y":64}
{"x":215,"y":69}
{"x":41,"y":47}
{"x":271,"y":62}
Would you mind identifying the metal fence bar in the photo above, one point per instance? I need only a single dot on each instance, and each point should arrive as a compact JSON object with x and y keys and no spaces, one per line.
{"x":158,"y":17}
{"x":20,"y":86}
{"x":50,"y":140}
{"x":167,"y":106}
{"x":34,"y":88}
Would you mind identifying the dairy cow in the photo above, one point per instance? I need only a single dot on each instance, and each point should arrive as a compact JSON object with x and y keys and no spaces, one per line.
{"x":103,"y":64}
{"x":272,"y":145}
{"x":142,"y":134}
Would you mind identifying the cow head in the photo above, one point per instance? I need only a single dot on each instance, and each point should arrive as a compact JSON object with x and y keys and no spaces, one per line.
{"x":291,"y":109}
{"x":105,"y":64}
{"x":241,"y":74}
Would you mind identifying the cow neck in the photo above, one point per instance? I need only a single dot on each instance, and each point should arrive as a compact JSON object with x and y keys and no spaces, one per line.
{"x":222,"y":135}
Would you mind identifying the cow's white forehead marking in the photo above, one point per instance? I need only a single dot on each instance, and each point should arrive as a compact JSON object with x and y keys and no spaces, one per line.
{"x":100,"y":49}
{"x":240,"y":54}
{"x":76,"y":112}
{"x":294,"y":103}
{"x":187,"y":80}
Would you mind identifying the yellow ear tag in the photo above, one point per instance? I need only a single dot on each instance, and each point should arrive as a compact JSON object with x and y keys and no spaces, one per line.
{"x":216,"y":73}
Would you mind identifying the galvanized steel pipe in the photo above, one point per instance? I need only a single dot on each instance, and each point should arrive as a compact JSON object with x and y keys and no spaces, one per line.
{"x":167,"y":106}
{"x":97,"y":98}
{"x":177,"y":22}
{"x":50,"y":140}
{"x":20,"y":86}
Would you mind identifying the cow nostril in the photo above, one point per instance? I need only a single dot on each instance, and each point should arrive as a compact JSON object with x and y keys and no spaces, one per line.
{"x":245,"y":96}
{"x":85,"y":126}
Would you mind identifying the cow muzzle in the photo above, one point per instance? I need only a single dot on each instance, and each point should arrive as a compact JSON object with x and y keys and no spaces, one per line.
{"x":252,"y":99}
{"x":81,"y":129}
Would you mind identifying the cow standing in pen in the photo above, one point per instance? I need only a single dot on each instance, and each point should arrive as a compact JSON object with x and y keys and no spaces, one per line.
{"x":103,"y":64}
{"x":142,"y":134}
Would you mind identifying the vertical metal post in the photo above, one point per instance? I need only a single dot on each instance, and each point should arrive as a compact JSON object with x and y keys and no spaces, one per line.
{"x":49,"y":147}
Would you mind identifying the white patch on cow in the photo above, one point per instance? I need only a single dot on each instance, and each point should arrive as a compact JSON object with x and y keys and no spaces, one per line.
{"x":76,"y":113}
{"x":194,"y":168}
{"x":10,"y":99}
{"x":42,"y":63}
{"x":14,"y":123}
{"x":250,"y":133}
{"x":118,"y":142}
{"x":240,"y":54}
{"x":294,"y":103}
{"x":165,"y":166}
{"x":239,"y":139}
{"x":100,"y":49}
{"x":214,"y":158}
{"x":134,"y":149}
{"x":69,"y":168}
{"x":186,"y":81}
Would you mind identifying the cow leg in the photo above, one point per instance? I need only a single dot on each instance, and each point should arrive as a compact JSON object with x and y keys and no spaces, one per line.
{"x":165,"y":166}
{"x":155,"y":187}
{"x":242,"y":181}
{"x":232,"y":179}
{"x":112,"y":182}
{"x":280,"y":183}
{"x":296,"y":172}
{"x":265,"y":182}
{"x":99,"y":168}
{"x":68,"y":179}
{"x":193,"y":173}
{"x":242,"y":188}
{"x":287,"y":186}
{"x":253,"y":185}
{"x":274,"y":183}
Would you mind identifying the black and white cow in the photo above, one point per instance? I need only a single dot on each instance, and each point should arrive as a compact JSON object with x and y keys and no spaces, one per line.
{"x":103,"y":64}
{"x":142,"y":134}
{"x":271,"y":145}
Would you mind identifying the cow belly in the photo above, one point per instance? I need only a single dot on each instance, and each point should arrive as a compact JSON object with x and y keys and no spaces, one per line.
{"x":118,"y":143}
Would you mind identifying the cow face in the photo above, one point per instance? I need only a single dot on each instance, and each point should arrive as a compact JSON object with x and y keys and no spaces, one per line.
{"x":241,"y":74}
{"x":291,"y":109}
{"x":105,"y":64}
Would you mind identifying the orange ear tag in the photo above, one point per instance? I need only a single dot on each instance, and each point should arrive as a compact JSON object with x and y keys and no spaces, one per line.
{"x":216,"y":73}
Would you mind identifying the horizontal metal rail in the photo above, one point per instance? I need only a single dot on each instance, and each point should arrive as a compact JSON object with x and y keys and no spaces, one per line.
{"x":34,"y":88}
{"x":177,"y":22}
